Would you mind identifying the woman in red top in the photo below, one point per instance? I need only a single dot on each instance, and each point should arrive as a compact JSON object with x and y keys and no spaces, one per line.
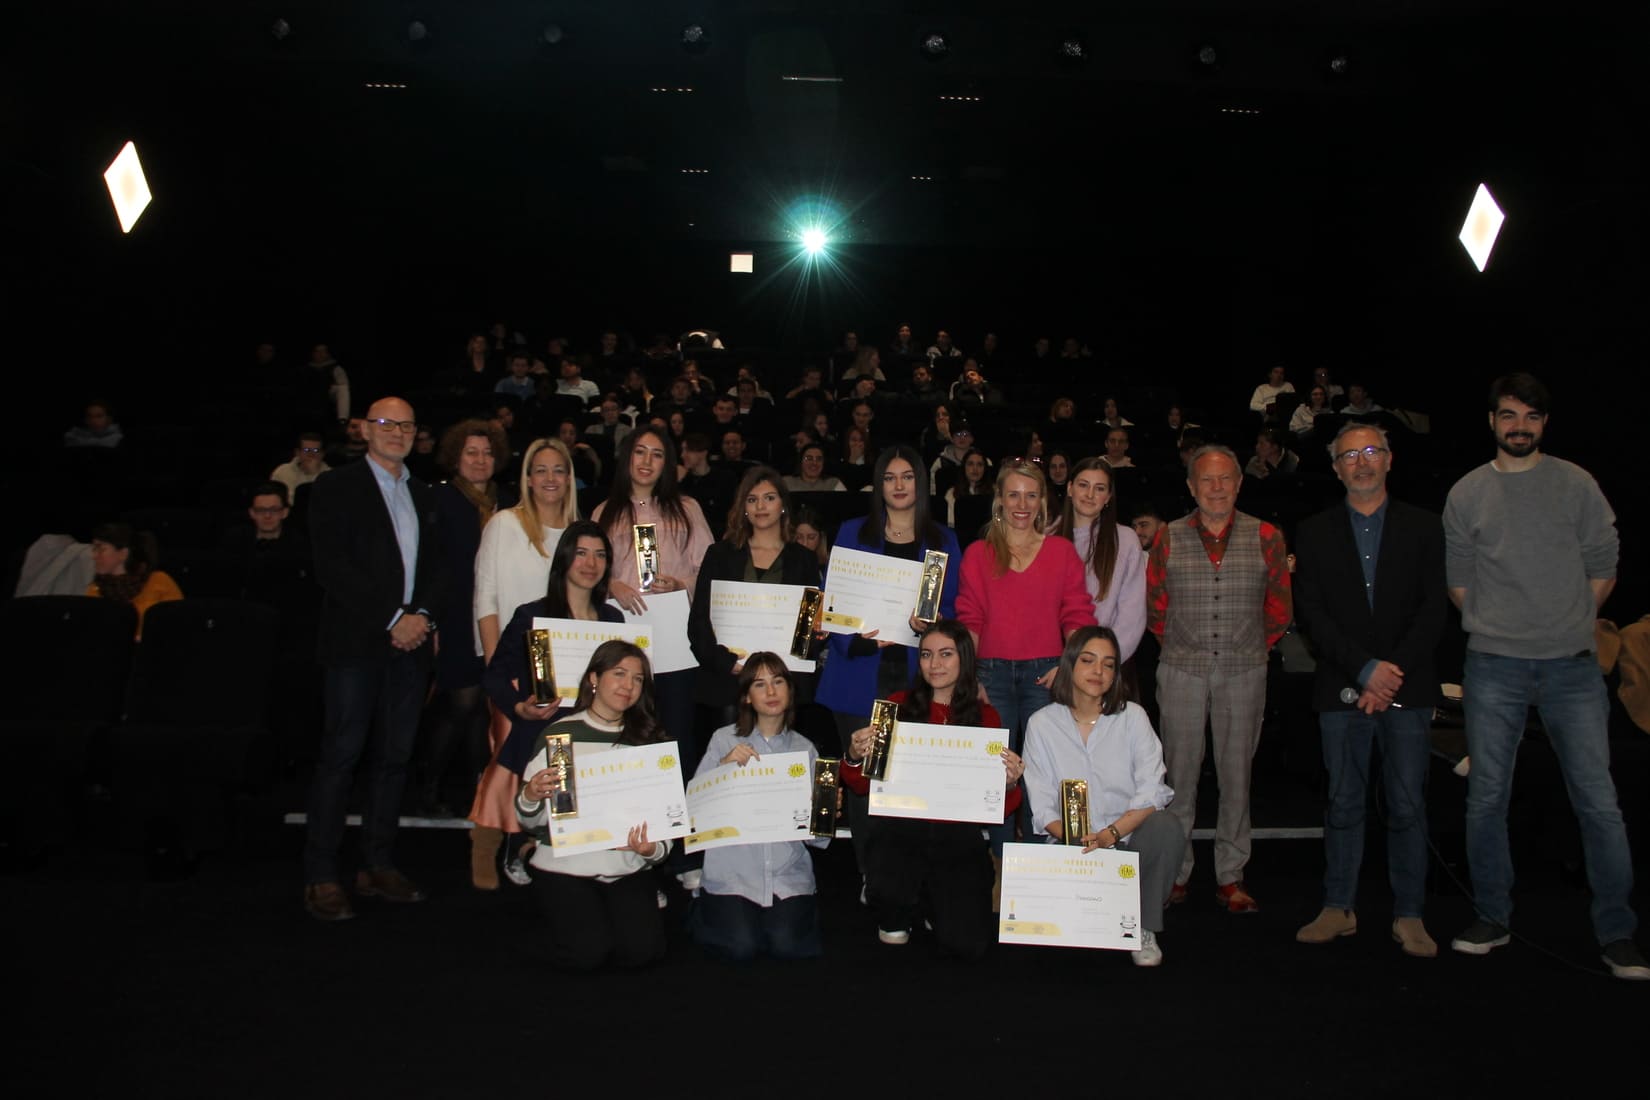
{"x":943,"y":864}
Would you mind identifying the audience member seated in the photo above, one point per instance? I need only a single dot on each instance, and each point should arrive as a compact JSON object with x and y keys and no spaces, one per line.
{"x":1358,"y":401}
{"x":1111,"y":417}
{"x":1320,"y":377}
{"x":267,"y":536}
{"x":855,"y":468}
{"x":323,"y":385}
{"x":972,"y":391}
{"x":1057,"y":465}
{"x":123,"y":569}
{"x":867,"y":364}
{"x":97,"y":428}
{"x":975,"y":480}
{"x":810,"y":533}
{"x":1117,"y":449}
{"x":946,"y":468}
{"x":421,"y":460}
{"x":352,"y":448}
{"x":1267,"y":392}
{"x":571,"y":381}
{"x":732,"y":459}
{"x":517,"y":382}
{"x":702,"y":385}
{"x":923,"y":393}
{"x":1271,"y":456}
{"x":635,"y":399}
{"x":845,"y":354}
{"x":308,"y":462}
{"x":711,"y":485}
{"x":811,"y":476}
{"x":942,"y":349}
{"x":1317,"y":404}
{"x":1060,"y":429}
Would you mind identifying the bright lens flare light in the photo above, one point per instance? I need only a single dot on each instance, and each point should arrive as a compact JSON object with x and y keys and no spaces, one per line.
{"x":1483,"y":224}
{"x":127,"y":188}
{"x":814,"y":241}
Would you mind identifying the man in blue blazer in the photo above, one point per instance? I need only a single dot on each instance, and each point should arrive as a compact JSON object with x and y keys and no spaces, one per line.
{"x":372,"y":525}
{"x":1369,"y":593}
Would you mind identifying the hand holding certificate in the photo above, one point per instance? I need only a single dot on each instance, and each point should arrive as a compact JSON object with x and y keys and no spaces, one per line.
{"x":943,"y":773}
{"x":761,"y":801}
{"x":1055,"y":895}
{"x":620,"y":789}
{"x":749,"y":617}
{"x":572,"y":641}
{"x":866,"y":592}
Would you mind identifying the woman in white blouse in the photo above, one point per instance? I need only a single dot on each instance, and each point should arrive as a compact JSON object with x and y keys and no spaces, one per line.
{"x":1091,"y":732}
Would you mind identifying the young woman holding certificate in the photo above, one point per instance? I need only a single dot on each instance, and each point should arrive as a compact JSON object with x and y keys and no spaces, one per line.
{"x":945,"y":863}
{"x":599,"y":906}
{"x":645,"y":492}
{"x":759,"y":898}
{"x":1091,"y":732}
{"x":517,"y":549}
{"x":1022,"y":596}
{"x":577,"y":589}
{"x":756,"y":549}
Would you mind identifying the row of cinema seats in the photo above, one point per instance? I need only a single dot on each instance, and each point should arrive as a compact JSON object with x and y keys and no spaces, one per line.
{"x":135,"y":744}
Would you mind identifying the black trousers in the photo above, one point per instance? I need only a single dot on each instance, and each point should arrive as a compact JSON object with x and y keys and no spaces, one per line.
{"x":592,"y":923}
{"x":945,"y":864}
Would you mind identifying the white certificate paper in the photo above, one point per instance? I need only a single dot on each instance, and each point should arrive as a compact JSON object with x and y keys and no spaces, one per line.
{"x":572,"y":641}
{"x":759,"y":802}
{"x":1055,"y":896}
{"x":865,"y":592}
{"x":748,"y":617}
{"x":943,"y":773}
{"x":667,"y":619}
{"x":620,"y":788}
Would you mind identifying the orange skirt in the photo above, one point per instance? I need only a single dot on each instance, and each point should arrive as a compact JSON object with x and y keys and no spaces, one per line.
{"x":495,"y":804}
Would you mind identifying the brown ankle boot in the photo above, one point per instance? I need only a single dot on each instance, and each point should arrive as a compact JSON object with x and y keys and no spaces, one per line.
{"x":484,"y":845}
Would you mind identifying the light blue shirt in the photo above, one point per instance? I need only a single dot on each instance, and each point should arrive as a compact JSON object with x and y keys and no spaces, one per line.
{"x":763,"y":873}
{"x":404,"y":515}
{"x":1122,"y":761}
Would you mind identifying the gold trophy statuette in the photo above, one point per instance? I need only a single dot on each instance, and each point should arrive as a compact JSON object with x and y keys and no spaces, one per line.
{"x":882,"y":739}
{"x":807,"y":621}
{"x":647,"y":554}
{"x":564,"y":795}
{"x":933,"y":583}
{"x":827,"y":785}
{"x":1074,"y":800}
{"x":541,"y":667}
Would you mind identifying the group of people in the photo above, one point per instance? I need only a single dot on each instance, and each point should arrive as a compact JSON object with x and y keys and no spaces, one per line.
{"x":1040,"y":620}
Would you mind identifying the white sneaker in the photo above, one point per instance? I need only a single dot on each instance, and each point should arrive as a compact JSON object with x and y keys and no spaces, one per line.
{"x":664,"y":902}
{"x":690,"y":879}
{"x":1149,"y":954}
{"x":863,"y":900}
{"x":516,"y":871}
{"x":895,"y":938}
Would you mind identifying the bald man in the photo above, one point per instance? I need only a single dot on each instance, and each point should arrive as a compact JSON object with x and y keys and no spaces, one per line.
{"x":372,"y":524}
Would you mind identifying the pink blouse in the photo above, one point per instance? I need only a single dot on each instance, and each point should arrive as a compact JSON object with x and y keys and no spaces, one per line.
{"x":678,"y":557}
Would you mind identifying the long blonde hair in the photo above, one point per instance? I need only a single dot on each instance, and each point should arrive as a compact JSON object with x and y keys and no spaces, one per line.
{"x":997,"y":531}
{"x":527,"y":509}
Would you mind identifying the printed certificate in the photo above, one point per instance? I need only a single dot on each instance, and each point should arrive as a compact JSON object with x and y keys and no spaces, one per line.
{"x":572,"y":641}
{"x":1055,"y":896}
{"x":748,"y":617}
{"x":944,"y":773}
{"x":865,"y":592}
{"x":759,"y":802}
{"x":666,"y":618}
{"x":620,"y":788}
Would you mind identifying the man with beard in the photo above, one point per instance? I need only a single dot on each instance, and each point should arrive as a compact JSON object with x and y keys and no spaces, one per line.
{"x":1531,"y":552}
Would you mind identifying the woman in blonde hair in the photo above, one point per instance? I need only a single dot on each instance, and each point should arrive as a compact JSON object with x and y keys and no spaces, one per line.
{"x":512,"y":568}
{"x":1022,"y":596}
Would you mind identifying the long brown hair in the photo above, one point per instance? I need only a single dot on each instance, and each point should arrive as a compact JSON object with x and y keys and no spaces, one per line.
{"x":965,"y":696}
{"x":641,"y":720}
{"x":619,"y":512}
{"x":1061,"y":690}
{"x":739,"y":525}
{"x":1103,"y":531}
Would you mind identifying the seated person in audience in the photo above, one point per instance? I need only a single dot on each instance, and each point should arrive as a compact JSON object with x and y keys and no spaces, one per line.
{"x":845,"y":354}
{"x":352,"y":447}
{"x":1057,"y":466}
{"x":1072,"y":348}
{"x":809,"y":532}
{"x":947,"y":467}
{"x":1304,"y":416}
{"x":862,"y":414}
{"x":732,"y":457}
{"x":97,"y":428}
{"x":587,"y":461}
{"x":712,"y":486}
{"x":756,"y":415}
{"x":975,"y":480}
{"x":973,"y":391}
{"x":938,"y":872}
{"x":989,"y":357}
{"x":308,"y":462}
{"x":1117,"y":449}
{"x":598,"y":907}
{"x":1042,"y":353}
{"x":936,"y":435}
{"x":724,"y":414}
{"x":811,"y":476}
{"x":1271,"y":456}
{"x":421,"y":460}
{"x":904,"y":347}
{"x":923,"y":393}
{"x":1060,"y":429}
{"x":811,"y":385}
{"x":324,"y":387}
{"x":611,"y":430}
{"x":704,"y":388}
{"x":635,"y":398}
{"x":856,"y":465}
{"x":517,"y":382}
{"x":758,"y":899}
{"x":1147,"y":522}
{"x":867,"y":364}
{"x":680,"y":397}
{"x":515,"y":430}
{"x":1358,"y":401}
{"x":1320,"y":377}
{"x":1266,"y":393}
{"x":942,"y":348}
{"x":571,"y":381}
{"x":123,"y":569}
{"x":747,"y":374}
{"x":267,"y":536}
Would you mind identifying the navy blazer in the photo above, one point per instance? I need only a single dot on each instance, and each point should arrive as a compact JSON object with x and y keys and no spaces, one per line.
{"x":1407,"y":620}
{"x":358,"y":564}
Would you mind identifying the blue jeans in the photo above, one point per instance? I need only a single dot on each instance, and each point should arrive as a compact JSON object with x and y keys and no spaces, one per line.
{"x":1349,"y":736}
{"x":1568,"y":692}
{"x":1016,"y":695}
{"x":371,"y":708}
{"x":736,"y":929}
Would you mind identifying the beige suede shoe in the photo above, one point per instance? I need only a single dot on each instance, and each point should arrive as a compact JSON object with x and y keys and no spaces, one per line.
{"x":1410,"y":934}
{"x":1329,"y":925}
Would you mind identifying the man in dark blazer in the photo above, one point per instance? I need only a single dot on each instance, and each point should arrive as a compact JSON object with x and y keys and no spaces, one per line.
{"x":372,"y":525}
{"x":1369,"y":593}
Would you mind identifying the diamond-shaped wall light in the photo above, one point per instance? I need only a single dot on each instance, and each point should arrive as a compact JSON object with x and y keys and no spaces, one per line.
{"x":127,"y":188}
{"x":1483,"y":223}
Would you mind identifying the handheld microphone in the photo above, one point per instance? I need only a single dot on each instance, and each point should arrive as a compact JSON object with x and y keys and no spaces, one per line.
{"x":1350,"y":695}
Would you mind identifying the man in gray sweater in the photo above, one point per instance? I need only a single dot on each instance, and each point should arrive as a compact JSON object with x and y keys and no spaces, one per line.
{"x":1531,"y":551}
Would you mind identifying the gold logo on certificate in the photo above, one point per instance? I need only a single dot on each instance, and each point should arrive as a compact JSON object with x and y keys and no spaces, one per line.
{"x":541,"y":667}
{"x":994,"y":748}
{"x":646,"y":540}
{"x":796,"y":771}
{"x":1125,"y":871}
{"x":558,"y":759}
{"x":666,"y":762}
{"x":883,"y":722}
{"x":933,"y":584}
{"x":1074,"y":804}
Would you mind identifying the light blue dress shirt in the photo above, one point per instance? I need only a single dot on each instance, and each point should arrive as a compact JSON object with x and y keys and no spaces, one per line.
{"x":762,"y":873}
{"x":1122,"y":761}
{"x":404,"y":515}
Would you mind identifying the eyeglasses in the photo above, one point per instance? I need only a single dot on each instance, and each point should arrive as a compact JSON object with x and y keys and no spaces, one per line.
{"x":405,"y":427}
{"x":1368,"y":454}
{"x":270,"y":511}
{"x":309,"y":450}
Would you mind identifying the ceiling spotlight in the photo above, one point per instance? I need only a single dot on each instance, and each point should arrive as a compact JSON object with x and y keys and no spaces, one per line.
{"x":1072,"y":50}
{"x":1340,"y":64}
{"x":813,"y":241}
{"x":695,"y":39}
{"x":935,"y":46}
{"x":417,"y":31}
{"x":553,"y":35}
{"x":280,"y":30}
{"x":1208,"y":56}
